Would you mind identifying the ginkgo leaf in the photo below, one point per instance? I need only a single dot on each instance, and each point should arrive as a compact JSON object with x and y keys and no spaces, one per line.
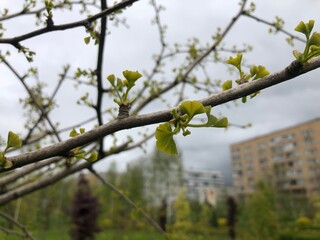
{"x":258,"y":72}
{"x":87,"y":40}
{"x":192,"y":108}
{"x":111,"y":79}
{"x":93,"y":157}
{"x":315,"y":39}
{"x":165,"y":141}
{"x":222,"y":123}
{"x":80,"y":154}
{"x":2,"y":158}
{"x":73,"y":133}
{"x":212,"y":120}
{"x":227,"y":85}
{"x":236,"y":61}
{"x":193,"y":52}
{"x":13,"y":140}
{"x":131,"y":77}
{"x":7,"y":164}
{"x":305,"y":28}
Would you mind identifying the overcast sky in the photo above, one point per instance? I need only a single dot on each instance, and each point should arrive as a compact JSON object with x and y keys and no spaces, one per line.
{"x":281,"y":106}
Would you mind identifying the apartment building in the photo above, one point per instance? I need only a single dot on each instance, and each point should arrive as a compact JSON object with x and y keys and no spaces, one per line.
{"x":203,"y":185}
{"x":290,"y":158}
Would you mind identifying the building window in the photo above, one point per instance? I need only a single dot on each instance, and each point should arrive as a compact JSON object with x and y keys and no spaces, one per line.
{"x":312,"y":161}
{"x":276,"y":139}
{"x":290,"y":155}
{"x":275,"y":149}
{"x":310,"y":151}
{"x":288,"y":146}
{"x":235,"y":158}
{"x":248,"y":148}
{"x":262,"y":152}
{"x":262,"y":145}
{"x":235,"y":151}
{"x":277,"y":157}
{"x":290,"y":136}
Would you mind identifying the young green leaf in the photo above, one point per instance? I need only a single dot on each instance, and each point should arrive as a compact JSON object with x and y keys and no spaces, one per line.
{"x":236,"y":61}
{"x":73,"y":133}
{"x":192,"y":108}
{"x":315,"y":39}
{"x":7,"y":164}
{"x":298,"y":55}
{"x":222,"y":123}
{"x":13,"y":140}
{"x":131,"y":76}
{"x":227,"y":85}
{"x":93,"y":157}
{"x":305,"y":28}
{"x":87,"y":40}
{"x":193,"y":52}
{"x":258,"y":72}
{"x":111,"y":79}
{"x":212,"y":120}
{"x":2,"y":158}
{"x":80,"y":154}
{"x":244,"y":99}
{"x":165,"y":141}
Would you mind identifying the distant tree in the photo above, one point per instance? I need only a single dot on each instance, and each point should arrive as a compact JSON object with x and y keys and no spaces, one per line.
{"x":84,"y":213}
{"x":182,"y":224}
{"x":258,"y":218}
{"x":232,"y":213}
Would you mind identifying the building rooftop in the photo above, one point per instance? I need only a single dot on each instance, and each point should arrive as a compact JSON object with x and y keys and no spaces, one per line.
{"x":275,"y":132}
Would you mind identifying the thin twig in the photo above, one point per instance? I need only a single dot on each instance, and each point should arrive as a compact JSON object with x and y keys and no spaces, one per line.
{"x":130,"y":202}
{"x":22,"y":227}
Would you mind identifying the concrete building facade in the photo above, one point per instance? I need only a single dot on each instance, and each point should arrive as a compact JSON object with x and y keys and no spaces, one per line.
{"x":290,"y":158}
{"x":203,"y":185}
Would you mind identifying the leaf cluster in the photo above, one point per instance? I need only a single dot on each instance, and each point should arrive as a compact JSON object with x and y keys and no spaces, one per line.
{"x":27,"y":53}
{"x":79,"y":153}
{"x":256,"y":72}
{"x":13,"y":141}
{"x":93,"y":34}
{"x":49,"y":6}
{"x":123,"y":87}
{"x":181,"y":122}
{"x":312,"y":48}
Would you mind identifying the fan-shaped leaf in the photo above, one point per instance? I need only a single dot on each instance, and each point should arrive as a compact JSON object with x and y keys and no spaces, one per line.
{"x":192,"y":108}
{"x":13,"y":140}
{"x":165,"y":141}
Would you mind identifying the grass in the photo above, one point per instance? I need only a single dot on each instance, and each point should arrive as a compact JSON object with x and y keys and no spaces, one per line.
{"x":62,"y":234}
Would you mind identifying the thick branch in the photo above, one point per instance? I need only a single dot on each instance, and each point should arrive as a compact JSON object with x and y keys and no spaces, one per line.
{"x":100,"y":90}
{"x":62,"y":148}
{"x":23,"y":172}
{"x":34,"y":186}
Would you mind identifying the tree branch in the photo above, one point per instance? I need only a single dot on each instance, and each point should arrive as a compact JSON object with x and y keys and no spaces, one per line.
{"x":62,"y":148}
{"x":82,"y":23}
{"x":22,"y":227}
